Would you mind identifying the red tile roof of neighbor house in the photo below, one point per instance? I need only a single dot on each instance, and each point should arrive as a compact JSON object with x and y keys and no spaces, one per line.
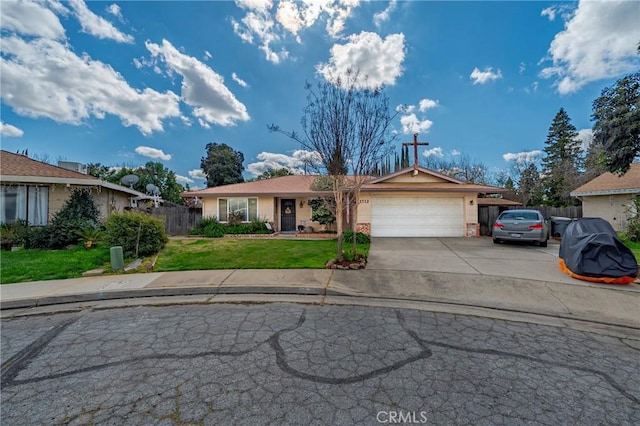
{"x":301,"y":185}
{"x":609,"y":183}
{"x":20,"y":165}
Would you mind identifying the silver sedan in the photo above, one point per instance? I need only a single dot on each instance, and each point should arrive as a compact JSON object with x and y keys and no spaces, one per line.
{"x":521,"y":225}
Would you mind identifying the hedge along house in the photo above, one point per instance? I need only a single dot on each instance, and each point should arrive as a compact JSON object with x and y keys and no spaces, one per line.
{"x":611,"y":197}
{"x":35,"y":191}
{"x":413,"y":202}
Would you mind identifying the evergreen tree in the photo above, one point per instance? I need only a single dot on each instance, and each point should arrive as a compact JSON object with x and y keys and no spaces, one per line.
{"x":529,"y":190}
{"x":617,"y":122}
{"x":222,"y":165}
{"x":562,"y":161}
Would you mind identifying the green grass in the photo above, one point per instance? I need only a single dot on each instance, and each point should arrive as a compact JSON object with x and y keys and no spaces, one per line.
{"x":36,"y":265}
{"x":228,"y":253}
{"x":635,"y":248}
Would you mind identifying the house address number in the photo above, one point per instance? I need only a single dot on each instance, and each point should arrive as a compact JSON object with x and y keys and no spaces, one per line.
{"x":364,"y":201}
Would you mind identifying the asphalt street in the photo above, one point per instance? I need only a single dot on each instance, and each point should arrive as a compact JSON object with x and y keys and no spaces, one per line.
{"x":310,"y":364}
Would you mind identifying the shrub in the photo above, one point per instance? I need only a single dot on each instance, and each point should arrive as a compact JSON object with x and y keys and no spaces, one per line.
{"x":214,"y":230}
{"x":14,"y":234}
{"x":235,"y":218}
{"x":79,"y":212}
{"x":139,"y":234}
{"x":361,"y":238}
{"x":209,"y":227}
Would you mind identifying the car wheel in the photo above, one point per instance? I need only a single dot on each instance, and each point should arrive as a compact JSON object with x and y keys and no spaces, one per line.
{"x":496,"y":241}
{"x":543,"y":243}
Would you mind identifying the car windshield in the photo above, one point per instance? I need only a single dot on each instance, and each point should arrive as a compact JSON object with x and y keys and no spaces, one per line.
{"x":519,"y":216}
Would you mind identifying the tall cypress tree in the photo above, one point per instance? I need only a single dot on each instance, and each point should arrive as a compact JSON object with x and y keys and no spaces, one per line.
{"x":562,"y":162}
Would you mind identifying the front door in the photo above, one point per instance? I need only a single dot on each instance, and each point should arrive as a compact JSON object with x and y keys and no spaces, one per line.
{"x":287,"y":215}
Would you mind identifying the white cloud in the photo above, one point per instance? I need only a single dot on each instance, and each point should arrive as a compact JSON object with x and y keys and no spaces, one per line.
{"x":411,"y":124}
{"x":564,"y":10}
{"x":238,"y":80}
{"x":598,"y":42}
{"x":202,"y":88}
{"x":96,"y":25}
{"x":549,"y":12}
{"x":455,"y":153}
{"x":382,"y":17}
{"x":207,"y":55}
{"x":183,"y":180}
{"x":44,"y":78}
{"x":523,"y":157}
{"x":522,"y":68}
{"x":295,"y":163}
{"x":378,"y":61}
{"x":435,"y":152}
{"x":586,"y":137}
{"x":482,"y":77}
{"x":114,"y":9}
{"x":10,"y":131}
{"x":426,"y":104}
{"x":32,"y":19}
{"x":147,"y":151}
{"x":258,"y":23}
{"x":197,"y":174}
{"x":266,"y":25}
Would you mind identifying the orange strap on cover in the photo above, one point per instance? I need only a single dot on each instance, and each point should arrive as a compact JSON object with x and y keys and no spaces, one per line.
{"x":605,"y":280}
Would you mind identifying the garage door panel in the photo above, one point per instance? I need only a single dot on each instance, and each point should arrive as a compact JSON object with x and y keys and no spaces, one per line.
{"x":417,"y":217}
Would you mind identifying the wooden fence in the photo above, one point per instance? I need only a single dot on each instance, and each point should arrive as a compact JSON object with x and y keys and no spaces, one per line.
{"x":488,"y":214}
{"x":178,"y":220}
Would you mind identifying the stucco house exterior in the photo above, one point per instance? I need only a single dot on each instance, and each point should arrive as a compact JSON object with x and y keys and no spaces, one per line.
{"x":33,"y":190}
{"x":611,"y":197}
{"x":413,"y":202}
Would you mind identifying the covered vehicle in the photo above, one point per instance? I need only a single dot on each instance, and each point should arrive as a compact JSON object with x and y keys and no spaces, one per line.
{"x":590,"y":250}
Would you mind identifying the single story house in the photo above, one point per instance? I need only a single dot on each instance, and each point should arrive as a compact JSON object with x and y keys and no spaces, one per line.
{"x":34,"y":190}
{"x":413,"y":202}
{"x":611,"y":197}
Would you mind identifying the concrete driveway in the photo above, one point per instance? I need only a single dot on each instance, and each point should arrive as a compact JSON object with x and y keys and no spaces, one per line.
{"x":478,"y":256}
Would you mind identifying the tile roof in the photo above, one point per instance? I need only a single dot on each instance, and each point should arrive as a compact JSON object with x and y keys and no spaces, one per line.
{"x":283,"y":185}
{"x":300,"y":185}
{"x":609,"y":183}
{"x":21,"y":165}
{"x":22,"y":169}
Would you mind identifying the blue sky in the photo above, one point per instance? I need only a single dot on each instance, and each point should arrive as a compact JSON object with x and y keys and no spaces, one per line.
{"x":123,"y":83}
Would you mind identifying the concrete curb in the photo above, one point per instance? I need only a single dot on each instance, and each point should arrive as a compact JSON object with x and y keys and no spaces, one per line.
{"x":165,"y":292}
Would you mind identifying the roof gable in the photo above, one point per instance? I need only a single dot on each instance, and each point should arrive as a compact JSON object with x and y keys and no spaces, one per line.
{"x":609,"y":183}
{"x":417,"y":175}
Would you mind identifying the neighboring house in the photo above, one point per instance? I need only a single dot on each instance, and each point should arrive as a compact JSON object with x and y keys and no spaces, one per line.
{"x":611,"y":197}
{"x":409,"y":203}
{"x":34,"y":190}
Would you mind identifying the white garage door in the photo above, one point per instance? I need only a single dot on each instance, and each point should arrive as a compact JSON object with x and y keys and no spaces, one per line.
{"x":417,"y":217}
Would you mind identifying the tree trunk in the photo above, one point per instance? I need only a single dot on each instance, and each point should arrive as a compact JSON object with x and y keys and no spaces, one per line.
{"x":339,"y":217}
{"x":354,"y":221}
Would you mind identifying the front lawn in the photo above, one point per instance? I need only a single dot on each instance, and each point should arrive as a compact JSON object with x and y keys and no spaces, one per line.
{"x":36,"y":265}
{"x":229,"y":253}
{"x":635,"y":248}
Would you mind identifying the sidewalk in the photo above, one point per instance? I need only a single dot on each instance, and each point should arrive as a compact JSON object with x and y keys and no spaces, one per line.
{"x":577,"y":300}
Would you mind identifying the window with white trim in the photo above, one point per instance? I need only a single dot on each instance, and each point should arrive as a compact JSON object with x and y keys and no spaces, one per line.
{"x":247,"y":208}
{"x":27,"y":202}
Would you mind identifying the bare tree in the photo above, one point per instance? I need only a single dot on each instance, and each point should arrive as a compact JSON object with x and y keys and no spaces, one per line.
{"x":460,"y":167}
{"x":348,"y":126}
